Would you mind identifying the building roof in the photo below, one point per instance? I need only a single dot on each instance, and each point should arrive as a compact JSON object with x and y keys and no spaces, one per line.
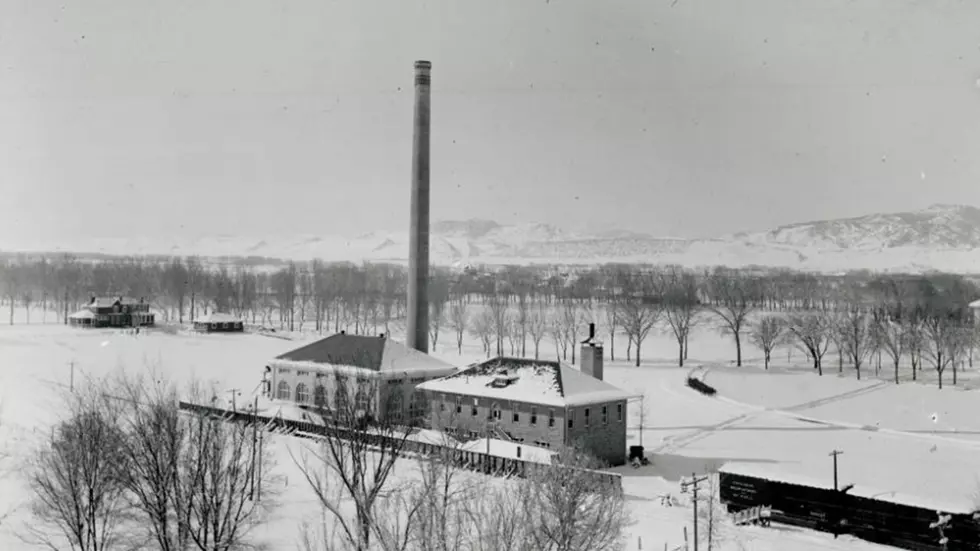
{"x":376,"y":354}
{"x":974,"y":304}
{"x":106,"y":302}
{"x":508,"y":450}
{"x":82,"y":314}
{"x":528,"y":381}
{"x":218,"y":317}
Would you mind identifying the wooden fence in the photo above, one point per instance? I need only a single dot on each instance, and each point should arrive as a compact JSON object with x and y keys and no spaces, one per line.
{"x":474,"y":461}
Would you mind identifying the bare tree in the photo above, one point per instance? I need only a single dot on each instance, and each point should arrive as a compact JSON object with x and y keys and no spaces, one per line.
{"x":458,"y":319}
{"x":710,"y":514}
{"x":537,"y":326}
{"x":680,"y":306}
{"x":939,"y":334}
{"x":810,"y":333}
{"x":482,"y":327}
{"x":79,"y":499}
{"x":355,"y":464}
{"x":766,"y":335}
{"x":856,"y":336}
{"x":559,"y":333}
{"x":567,"y":510}
{"x":892,"y":339}
{"x":732,"y":297}
{"x":194,"y":480}
{"x":437,"y":317}
{"x":571,"y":320}
{"x":638,"y":316}
{"x":610,"y":316}
{"x":219,"y":471}
{"x":497,"y":307}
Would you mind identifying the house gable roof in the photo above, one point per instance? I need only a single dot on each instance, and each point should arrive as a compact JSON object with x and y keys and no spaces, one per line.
{"x":218,"y":317}
{"x":379,"y":354}
{"x":532,"y":381}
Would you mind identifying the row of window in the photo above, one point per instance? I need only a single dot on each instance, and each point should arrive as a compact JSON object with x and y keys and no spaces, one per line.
{"x":302,"y":395}
{"x":495,"y":413}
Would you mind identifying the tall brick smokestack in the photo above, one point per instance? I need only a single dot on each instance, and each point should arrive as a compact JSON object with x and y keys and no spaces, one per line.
{"x":418,"y":245}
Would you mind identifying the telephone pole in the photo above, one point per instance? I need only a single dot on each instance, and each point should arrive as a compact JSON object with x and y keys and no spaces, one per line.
{"x":71,"y":380}
{"x":834,"y":454}
{"x":693,"y":484}
{"x":234,"y":392}
{"x":837,"y":497}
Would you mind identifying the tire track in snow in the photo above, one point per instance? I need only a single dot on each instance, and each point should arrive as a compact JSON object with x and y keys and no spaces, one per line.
{"x":837,"y":397}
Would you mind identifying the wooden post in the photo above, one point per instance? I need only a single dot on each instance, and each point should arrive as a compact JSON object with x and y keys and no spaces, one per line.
{"x":255,"y":440}
{"x":837,"y":497}
{"x":693,"y":483}
{"x":71,"y":380}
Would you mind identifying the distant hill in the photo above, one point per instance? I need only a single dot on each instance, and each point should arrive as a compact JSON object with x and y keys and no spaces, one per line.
{"x":940,"y":237}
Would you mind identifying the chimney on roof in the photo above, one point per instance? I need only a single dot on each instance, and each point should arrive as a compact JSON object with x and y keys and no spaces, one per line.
{"x":417,"y":333}
{"x":590,"y":356}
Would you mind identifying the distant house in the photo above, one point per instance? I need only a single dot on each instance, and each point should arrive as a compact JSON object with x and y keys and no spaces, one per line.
{"x":217,"y":322}
{"x":113,"y":312}
{"x":368,"y":376}
{"x":540,"y":403}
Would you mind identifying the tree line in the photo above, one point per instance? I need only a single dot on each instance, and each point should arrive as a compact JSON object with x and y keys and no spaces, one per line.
{"x":923,"y":320}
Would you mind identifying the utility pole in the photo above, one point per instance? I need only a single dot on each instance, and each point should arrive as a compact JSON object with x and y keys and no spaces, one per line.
{"x":234,"y":392}
{"x":834,"y":454}
{"x":693,"y":484}
{"x":255,"y":441}
{"x":71,"y":379}
{"x":837,"y":496}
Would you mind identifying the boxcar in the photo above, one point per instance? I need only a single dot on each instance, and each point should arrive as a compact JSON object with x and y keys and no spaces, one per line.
{"x":827,"y":510}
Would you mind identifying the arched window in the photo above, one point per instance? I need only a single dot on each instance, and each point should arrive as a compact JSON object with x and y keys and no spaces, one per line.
{"x":302,"y":393}
{"x":495,"y":411}
{"x":282,"y":390}
{"x":320,"y":396}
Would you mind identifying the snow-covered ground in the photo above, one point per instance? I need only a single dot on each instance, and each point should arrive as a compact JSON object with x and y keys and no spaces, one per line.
{"x":683,"y":431}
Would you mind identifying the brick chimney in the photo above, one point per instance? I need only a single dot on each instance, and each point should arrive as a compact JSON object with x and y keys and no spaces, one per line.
{"x":590,"y":356}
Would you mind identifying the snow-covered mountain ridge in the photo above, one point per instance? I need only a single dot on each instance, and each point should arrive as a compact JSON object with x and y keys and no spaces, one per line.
{"x":940,"y":237}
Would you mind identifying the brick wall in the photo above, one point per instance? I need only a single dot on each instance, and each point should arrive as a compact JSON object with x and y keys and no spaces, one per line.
{"x":533,"y":425}
{"x":603,"y":437}
{"x":606,"y":440}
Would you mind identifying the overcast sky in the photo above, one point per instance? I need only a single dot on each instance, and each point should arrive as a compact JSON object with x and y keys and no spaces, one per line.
{"x":693,"y":119}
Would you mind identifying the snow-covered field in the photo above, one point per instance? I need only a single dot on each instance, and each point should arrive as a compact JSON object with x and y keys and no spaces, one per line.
{"x":758,"y":417}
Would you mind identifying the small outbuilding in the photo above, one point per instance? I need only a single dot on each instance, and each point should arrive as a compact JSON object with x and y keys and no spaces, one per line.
{"x":218,"y":322}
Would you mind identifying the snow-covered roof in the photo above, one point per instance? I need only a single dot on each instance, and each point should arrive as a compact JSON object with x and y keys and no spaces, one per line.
{"x":782,"y":473}
{"x":82,"y":314}
{"x":218,"y":317}
{"x":975,"y":304}
{"x":528,"y":381}
{"x":378,"y":355}
{"x":508,"y":450}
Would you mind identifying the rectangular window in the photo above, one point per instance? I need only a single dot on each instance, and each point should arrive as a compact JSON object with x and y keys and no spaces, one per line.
{"x":302,"y":373}
{"x":534,"y":416}
{"x":570,"y":420}
{"x":283,"y":370}
{"x":605,"y":416}
{"x":586,"y":416}
{"x":551,"y":417}
{"x":459,"y":405}
{"x":517,"y":417}
{"x":442,"y":406}
{"x":619,"y":412}
{"x":475,"y":411}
